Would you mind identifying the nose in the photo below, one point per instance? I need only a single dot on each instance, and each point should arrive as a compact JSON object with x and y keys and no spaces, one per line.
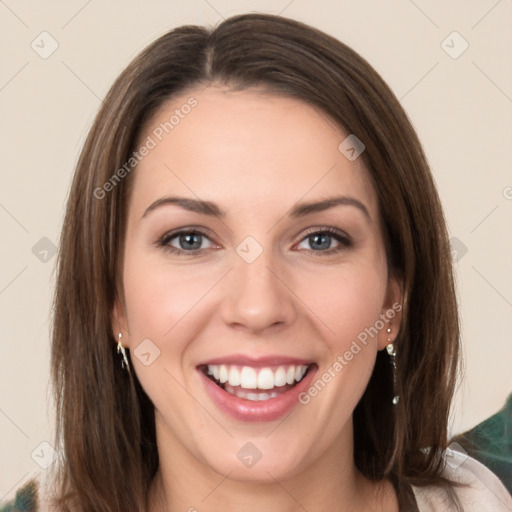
{"x":257,"y":297}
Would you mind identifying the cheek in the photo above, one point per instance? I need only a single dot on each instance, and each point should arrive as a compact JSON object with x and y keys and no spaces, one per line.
{"x":158,"y":298}
{"x":346,"y":300}
{"x":161,"y":304}
{"x":348,"y":304}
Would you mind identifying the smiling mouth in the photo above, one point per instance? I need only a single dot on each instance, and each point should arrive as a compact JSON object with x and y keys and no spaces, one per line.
{"x":256,"y":384}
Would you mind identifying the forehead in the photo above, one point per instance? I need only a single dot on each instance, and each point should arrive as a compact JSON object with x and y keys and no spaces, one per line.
{"x":246,"y":145}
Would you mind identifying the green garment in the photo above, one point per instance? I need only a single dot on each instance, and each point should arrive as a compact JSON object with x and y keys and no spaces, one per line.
{"x":490,"y":442}
{"x":24,"y":501}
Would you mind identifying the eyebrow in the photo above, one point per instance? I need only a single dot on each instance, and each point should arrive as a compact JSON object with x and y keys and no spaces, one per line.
{"x":298,"y":210}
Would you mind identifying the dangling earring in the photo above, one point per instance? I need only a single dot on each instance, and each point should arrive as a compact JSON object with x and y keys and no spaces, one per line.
{"x":120,"y":350}
{"x":392,"y":353}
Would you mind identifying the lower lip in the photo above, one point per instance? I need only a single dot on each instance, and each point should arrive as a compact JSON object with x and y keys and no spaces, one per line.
{"x":262,"y":410}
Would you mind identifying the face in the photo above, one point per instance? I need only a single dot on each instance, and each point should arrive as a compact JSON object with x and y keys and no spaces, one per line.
{"x":256,"y":288}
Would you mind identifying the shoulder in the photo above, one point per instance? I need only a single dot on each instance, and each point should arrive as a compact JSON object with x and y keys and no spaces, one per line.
{"x":31,"y":496}
{"x":482,"y":490}
{"x":490,"y":443}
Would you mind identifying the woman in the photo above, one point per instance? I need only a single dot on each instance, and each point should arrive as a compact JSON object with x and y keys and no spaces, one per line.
{"x":255,"y":306}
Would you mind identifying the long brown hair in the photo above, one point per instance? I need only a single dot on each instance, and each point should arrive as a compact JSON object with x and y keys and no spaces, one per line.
{"x":105,"y":421}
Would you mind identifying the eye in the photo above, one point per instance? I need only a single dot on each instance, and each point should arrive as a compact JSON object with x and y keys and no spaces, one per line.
{"x":193,"y":242}
{"x":325,"y":240}
{"x":186,"y":242}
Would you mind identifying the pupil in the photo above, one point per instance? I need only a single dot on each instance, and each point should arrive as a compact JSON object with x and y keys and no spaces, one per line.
{"x":321,"y":241}
{"x":190,"y":241}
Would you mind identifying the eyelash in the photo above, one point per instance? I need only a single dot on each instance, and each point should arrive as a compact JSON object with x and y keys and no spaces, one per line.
{"x":344,"y":241}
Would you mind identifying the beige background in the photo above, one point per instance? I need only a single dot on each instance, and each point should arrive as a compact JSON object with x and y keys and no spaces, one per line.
{"x":461,"y":108}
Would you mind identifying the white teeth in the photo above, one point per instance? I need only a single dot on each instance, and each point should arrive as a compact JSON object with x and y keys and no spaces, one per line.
{"x":265,"y":379}
{"x":255,"y":397}
{"x":223,"y":373}
{"x":248,"y":377}
{"x":299,"y":372}
{"x":234,"y":377}
{"x":280,"y":376}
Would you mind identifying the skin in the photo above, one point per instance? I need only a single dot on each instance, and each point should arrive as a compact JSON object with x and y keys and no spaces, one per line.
{"x":255,"y":155}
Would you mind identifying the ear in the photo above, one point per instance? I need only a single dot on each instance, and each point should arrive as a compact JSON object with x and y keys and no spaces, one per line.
{"x":391,"y":313}
{"x":119,"y":322}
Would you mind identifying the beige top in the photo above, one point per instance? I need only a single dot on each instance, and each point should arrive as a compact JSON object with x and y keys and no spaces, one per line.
{"x":486,"y":492}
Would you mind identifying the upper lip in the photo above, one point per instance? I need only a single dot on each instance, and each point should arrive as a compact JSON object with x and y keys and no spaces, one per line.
{"x":256,"y":361}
